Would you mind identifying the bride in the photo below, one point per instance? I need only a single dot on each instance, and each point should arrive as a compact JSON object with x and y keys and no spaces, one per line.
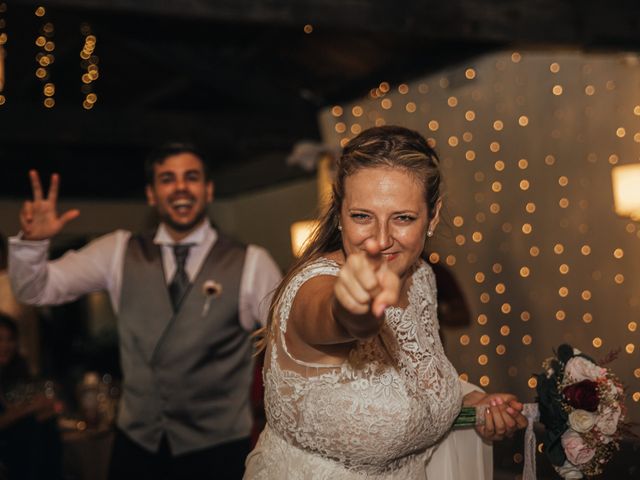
{"x":357,"y":384}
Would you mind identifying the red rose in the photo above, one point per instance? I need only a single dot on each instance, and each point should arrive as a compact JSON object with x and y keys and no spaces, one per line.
{"x":583,"y":395}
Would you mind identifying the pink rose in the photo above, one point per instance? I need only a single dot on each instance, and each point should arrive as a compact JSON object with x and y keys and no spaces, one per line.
{"x":607,"y":421}
{"x":579,"y":368}
{"x":575,"y":449}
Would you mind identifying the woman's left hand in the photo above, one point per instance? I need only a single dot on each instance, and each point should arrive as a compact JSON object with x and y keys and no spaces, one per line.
{"x":503,"y":414}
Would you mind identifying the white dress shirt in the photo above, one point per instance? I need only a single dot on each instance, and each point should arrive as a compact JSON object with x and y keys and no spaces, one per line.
{"x":99,"y":265}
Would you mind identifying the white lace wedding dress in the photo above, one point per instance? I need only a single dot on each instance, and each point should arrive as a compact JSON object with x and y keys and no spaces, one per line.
{"x":378,"y":415}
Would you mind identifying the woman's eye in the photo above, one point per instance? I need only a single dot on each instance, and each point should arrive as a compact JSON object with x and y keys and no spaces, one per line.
{"x":359,"y":216}
{"x":405,"y":218}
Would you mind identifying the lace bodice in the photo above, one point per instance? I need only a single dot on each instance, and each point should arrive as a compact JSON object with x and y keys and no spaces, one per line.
{"x":394,"y":397}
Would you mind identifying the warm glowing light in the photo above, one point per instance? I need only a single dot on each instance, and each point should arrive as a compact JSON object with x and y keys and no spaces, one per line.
{"x":589,"y":90}
{"x":357,"y":111}
{"x":485,"y":340}
{"x":527,"y":228}
{"x":554,"y":67}
{"x":477,"y":237}
{"x":524,"y":185}
{"x":626,"y":194}
{"x":479,"y":277}
{"x":453,"y":141}
{"x":484,"y":381}
{"x":564,"y":268}
{"x":621,"y":132}
{"x":450,"y":260}
{"x":403,"y":88}
{"x":497,"y":268}
{"x":494,"y":147}
{"x":533,"y":382}
{"x":558,"y":248}
{"x":308,"y":28}
{"x":482,"y":319}
{"x":560,"y":315}
{"x":587,"y":318}
{"x":563,"y":181}
{"x":464,"y":340}
{"x":470,"y":115}
{"x":597,"y":342}
{"x":501,"y":349}
{"x":630,"y":348}
{"x":534,"y":251}
{"x":557,"y":90}
{"x":336,"y":111}
{"x":632,"y":326}
{"x":300,"y":235}
{"x":470,"y":155}
{"x":40,"y":12}
{"x":386,"y":103}
{"x":498,"y":125}
{"x":496,"y":186}
{"x":618,"y":278}
{"x":499,"y":165}
{"x":563,"y":291}
{"x":434,"y":258}
{"x":452,"y":101}
{"x":340,"y":127}
{"x":470,"y":73}
{"x":585,"y":250}
{"x":527,"y":339}
{"x":485,"y":297}
{"x":483,"y":359}
{"x":410,"y":107}
{"x":505,"y":330}
{"x":618,"y":253}
{"x":506,"y":308}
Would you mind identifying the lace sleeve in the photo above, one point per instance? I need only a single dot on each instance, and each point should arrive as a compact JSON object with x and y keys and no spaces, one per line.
{"x":317,"y":268}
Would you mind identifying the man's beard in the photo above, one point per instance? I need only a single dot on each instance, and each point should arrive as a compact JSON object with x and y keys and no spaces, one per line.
{"x":182,"y":227}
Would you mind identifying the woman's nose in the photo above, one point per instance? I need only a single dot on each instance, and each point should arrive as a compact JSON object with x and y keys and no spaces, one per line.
{"x":384,"y":237}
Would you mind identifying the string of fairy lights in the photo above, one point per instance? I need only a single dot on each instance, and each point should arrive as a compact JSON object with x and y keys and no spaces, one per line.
{"x":89,"y":65}
{"x":45,"y":58}
{"x":527,"y":249}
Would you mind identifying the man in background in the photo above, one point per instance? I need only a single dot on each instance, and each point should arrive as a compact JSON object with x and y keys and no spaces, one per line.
{"x":187,"y":298}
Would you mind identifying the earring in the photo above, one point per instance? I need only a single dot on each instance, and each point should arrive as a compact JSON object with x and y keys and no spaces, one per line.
{"x":429,"y":233}
{"x":339,"y":227}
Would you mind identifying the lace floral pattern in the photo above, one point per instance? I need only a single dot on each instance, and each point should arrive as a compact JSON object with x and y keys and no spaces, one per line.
{"x":376,"y":414}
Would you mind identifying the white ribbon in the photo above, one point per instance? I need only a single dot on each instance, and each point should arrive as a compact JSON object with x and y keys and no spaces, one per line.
{"x":531,"y":412}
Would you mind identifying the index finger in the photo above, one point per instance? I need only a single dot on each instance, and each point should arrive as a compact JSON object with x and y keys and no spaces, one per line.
{"x":373,"y":251}
{"x":53,"y":188}
{"x":36,"y":187}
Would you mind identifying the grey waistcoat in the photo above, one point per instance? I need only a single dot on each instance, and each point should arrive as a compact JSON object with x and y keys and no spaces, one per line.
{"x":186,"y":375}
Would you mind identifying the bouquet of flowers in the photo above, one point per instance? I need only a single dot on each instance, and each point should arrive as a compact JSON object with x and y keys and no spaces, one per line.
{"x":581,"y":406}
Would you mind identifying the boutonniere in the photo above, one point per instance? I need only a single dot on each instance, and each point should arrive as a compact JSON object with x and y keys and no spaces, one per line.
{"x":210,"y":289}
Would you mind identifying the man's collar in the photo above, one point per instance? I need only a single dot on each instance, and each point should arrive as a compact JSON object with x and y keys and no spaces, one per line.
{"x":196,"y":237}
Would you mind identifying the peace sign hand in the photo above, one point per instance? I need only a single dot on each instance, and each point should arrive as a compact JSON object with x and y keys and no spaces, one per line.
{"x":39,"y":218}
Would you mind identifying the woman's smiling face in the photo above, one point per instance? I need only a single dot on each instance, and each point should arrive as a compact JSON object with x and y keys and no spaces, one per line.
{"x":386,"y":204}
